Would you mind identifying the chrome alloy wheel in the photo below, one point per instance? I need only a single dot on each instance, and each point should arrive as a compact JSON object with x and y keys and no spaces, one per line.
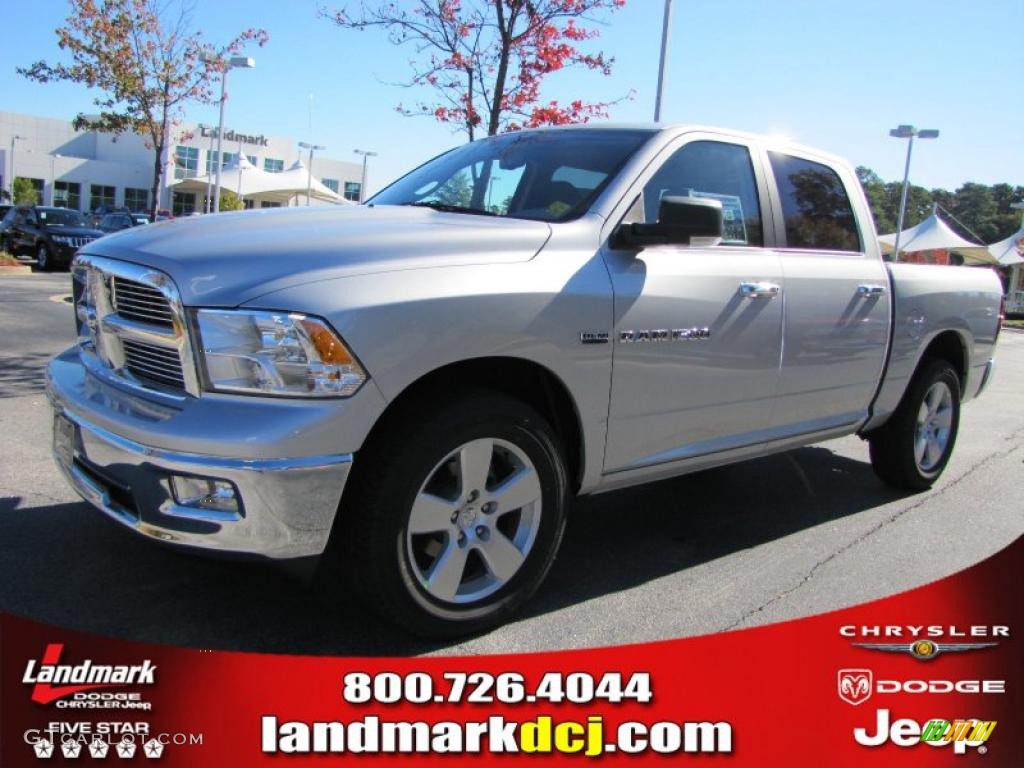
{"x":474,"y":521}
{"x":934,"y":424}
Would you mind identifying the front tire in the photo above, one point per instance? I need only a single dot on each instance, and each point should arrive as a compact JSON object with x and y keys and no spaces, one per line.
{"x":43,"y":259}
{"x":455,"y":515}
{"x":912,"y":449}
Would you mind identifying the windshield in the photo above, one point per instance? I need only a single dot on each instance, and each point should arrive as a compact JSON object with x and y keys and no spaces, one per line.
{"x":60,"y":217}
{"x":541,"y":175}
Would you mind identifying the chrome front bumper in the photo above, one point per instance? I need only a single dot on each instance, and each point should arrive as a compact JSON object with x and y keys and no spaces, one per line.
{"x":286,"y":505}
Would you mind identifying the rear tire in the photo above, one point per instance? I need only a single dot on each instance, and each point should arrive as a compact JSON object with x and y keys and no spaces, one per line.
{"x":912,"y":449}
{"x":454,"y":514}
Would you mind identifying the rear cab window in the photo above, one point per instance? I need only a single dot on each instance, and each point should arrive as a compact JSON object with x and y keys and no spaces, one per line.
{"x":816,"y":208}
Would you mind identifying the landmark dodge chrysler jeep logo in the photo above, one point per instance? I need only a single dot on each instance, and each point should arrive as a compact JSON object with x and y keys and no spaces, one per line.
{"x":86,"y":676}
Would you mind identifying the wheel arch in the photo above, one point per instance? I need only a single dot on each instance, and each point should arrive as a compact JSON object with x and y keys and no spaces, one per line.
{"x":521,"y":378}
{"x":950,"y":346}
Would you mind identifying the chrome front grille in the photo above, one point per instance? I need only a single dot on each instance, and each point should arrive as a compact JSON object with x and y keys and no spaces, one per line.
{"x":137,"y":301}
{"x":75,"y":241}
{"x":131,"y":326}
{"x":154,"y":363}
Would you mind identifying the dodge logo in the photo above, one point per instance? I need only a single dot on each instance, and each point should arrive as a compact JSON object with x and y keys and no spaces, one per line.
{"x":855,"y":685}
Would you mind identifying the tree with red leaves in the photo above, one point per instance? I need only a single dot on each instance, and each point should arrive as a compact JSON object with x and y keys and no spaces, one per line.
{"x":145,"y":60}
{"x":486,"y":59}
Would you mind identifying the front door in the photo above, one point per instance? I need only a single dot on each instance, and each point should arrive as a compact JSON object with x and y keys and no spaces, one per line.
{"x":698,"y":330}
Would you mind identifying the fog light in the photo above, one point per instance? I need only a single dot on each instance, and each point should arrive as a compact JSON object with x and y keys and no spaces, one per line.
{"x":204,"y":493}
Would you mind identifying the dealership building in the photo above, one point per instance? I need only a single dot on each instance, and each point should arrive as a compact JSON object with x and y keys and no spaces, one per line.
{"x":88,"y":169}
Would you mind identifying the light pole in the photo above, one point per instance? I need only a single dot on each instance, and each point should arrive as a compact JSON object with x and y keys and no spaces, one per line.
{"x":666,"y":35}
{"x":362,"y":183}
{"x":226,"y":65}
{"x":13,"y":139}
{"x":53,"y":179}
{"x":209,"y":176}
{"x":907,"y":132}
{"x":490,"y":189}
{"x":309,"y":169}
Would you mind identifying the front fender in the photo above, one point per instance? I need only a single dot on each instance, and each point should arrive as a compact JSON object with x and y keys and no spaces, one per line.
{"x":404,"y":325}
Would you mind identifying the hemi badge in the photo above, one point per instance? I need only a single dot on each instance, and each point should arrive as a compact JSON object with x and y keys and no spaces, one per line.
{"x":593,"y":337}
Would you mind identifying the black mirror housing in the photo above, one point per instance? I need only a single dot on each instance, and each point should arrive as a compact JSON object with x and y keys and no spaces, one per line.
{"x":679,"y":220}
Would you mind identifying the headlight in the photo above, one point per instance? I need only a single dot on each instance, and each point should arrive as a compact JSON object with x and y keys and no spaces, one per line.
{"x":62,"y":239}
{"x":275,"y":353}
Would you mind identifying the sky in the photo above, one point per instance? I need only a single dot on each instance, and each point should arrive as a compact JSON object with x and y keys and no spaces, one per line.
{"x":830,"y":74}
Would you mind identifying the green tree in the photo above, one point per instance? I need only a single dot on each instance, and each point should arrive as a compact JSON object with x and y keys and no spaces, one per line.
{"x":878,"y":199}
{"x":25,"y":192}
{"x":229,"y":201}
{"x":146,"y":62}
{"x":975,"y":211}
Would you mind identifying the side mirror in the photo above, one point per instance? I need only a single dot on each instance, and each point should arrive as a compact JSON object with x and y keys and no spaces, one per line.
{"x":680,"y":219}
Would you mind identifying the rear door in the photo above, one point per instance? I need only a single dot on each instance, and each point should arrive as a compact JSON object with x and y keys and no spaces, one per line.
{"x":698,"y":328}
{"x":837,"y":309}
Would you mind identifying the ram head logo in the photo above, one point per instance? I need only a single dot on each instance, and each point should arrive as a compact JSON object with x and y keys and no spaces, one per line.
{"x":855,"y":685}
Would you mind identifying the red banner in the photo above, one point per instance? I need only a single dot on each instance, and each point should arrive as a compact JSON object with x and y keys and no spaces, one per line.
{"x":928,"y":677}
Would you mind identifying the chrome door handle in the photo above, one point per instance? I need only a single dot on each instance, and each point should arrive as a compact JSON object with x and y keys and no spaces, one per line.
{"x":759,"y":290}
{"x":865,"y":291}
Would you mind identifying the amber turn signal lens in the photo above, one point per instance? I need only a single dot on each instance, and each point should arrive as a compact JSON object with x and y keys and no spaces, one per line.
{"x":330,"y":349}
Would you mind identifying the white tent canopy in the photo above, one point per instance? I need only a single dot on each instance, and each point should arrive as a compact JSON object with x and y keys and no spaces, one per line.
{"x":1009,"y":251}
{"x":246,"y":180}
{"x":933,"y":234}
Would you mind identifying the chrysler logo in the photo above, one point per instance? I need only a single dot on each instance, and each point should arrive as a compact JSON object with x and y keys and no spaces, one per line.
{"x":923,"y":650}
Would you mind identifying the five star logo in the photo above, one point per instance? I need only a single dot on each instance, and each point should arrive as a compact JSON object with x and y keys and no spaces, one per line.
{"x":43,"y":749}
{"x":71,"y":749}
{"x":126,"y":749}
{"x":98,"y":748}
{"x":153,"y":748}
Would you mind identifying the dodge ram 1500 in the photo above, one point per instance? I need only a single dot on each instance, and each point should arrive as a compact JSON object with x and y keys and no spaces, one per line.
{"x":412,"y":388}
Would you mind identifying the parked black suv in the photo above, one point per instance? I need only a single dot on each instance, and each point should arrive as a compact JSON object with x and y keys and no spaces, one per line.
{"x":52,"y":235}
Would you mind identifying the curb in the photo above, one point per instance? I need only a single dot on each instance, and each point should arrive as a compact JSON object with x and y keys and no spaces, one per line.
{"x":15,"y":271}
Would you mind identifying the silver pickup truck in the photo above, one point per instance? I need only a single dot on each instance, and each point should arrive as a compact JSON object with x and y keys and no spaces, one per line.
{"x":413,"y":388}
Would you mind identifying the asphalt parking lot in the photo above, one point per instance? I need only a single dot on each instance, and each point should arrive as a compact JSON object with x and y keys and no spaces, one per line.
{"x":773,"y":539}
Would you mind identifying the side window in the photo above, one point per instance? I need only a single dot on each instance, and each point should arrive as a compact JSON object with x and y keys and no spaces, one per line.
{"x":715,"y":170}
{"x":815,"y":206}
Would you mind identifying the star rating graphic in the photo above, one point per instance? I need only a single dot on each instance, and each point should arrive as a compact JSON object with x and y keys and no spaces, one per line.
{"x":126,"y":749}
{"x":98,"y":748}
{"x":153,"y":748}
{"x":71,"y":749}
{"x":43,"y":749}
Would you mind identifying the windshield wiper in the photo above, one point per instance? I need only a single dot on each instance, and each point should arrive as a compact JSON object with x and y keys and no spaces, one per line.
{"x":446,"y":208}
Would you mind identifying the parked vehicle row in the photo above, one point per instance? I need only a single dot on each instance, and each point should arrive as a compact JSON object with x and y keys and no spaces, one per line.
{"x":52,"y":235}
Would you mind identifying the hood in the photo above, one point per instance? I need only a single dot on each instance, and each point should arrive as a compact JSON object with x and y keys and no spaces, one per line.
{"x":227,"y":259}
{"x":74,"y":232}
